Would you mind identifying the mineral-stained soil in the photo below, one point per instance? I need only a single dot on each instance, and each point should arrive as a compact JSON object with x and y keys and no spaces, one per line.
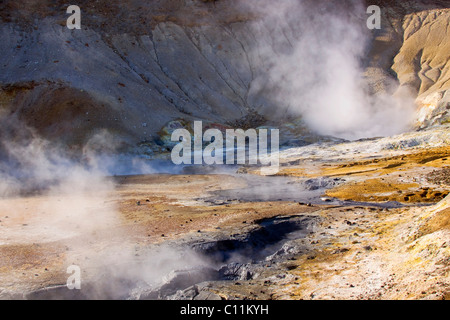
{"x":394,"y":178}
{"x":385,"y":236}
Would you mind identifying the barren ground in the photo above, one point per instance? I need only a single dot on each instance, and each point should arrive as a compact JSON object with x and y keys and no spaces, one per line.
{"x":368,"y":250}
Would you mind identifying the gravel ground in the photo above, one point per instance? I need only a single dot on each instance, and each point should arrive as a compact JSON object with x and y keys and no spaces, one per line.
{"x":440,"y":176}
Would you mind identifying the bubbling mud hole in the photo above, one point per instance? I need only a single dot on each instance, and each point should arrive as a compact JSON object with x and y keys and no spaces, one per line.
{"x":256,"y":245}
{"x":239,"y":257}
{"x":236,"y":257}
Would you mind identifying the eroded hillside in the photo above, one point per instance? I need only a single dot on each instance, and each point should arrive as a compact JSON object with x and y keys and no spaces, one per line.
{"x":134,"y":67}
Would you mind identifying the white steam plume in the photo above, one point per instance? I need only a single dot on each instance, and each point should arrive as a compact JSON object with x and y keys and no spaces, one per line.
{"x":311,"y":66}
{"x":49,"y":196}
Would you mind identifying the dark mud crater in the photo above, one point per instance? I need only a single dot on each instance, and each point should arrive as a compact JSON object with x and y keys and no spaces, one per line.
{"x":233,"y":257}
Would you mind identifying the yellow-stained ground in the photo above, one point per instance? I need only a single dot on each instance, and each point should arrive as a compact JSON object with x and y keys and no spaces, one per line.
{"x":357,"y":252}
{"x":395,"y":256}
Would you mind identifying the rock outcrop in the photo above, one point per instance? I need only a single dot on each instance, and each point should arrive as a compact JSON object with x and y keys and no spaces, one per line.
{"x":419,"y":58}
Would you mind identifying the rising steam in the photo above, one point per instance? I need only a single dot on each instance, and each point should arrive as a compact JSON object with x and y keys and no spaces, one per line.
{"x":49,"y":195}
{"x":313,"y":67}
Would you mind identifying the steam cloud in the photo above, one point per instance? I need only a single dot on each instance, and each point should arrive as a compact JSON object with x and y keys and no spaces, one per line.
{"x":313,"y":67}
{"x":49,"y":195}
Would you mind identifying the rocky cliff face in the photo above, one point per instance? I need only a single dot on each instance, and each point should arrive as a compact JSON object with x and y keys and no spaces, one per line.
{"x":415,"y":50}
{"x":135,"y":66}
